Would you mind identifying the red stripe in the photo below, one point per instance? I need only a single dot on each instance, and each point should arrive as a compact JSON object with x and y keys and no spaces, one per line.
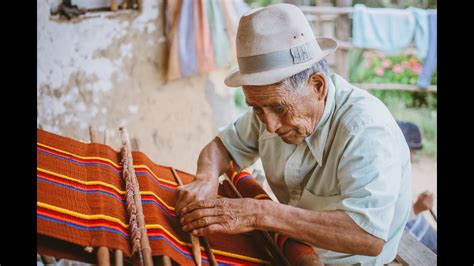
{"x":80,"y":221}
{"x":79,"y":185}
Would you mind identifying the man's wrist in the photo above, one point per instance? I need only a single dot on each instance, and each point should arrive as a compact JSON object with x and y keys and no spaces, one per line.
{"x":262,"y":215}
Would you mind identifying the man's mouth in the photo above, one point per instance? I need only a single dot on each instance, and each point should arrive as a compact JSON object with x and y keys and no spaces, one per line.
{"x":285,"y":135}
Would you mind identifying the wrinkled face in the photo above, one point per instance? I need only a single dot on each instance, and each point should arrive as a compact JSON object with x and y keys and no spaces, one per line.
{"x":292,"y":114}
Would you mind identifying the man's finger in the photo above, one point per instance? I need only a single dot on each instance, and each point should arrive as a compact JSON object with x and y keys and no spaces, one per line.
{"x":198,"y":205}
{"x":182,"y":200}
{"x":203,"y":222}
{"x":210,"y":229}
{"x":200,"y":213}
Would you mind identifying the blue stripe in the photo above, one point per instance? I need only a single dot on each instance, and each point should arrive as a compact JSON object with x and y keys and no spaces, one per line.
{"x":91,"y":228}
{"x":103,"y":192}
{"x":245,"y":177}
{"x":95,"y":228}
{"x":80,"y":190}
{"x":161,"y":207}
{"x":187,"y":255}
{"x":118,"y":173}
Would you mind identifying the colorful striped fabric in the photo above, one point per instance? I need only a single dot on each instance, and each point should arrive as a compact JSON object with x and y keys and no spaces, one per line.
{"x":201,"y":35}
{"x":81,"y":203}
{"x":245,"y":183}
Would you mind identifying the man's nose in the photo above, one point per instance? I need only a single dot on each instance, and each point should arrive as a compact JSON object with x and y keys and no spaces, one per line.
{"x":272,"y":122}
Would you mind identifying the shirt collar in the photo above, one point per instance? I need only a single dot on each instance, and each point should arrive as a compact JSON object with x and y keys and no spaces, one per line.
{"x":317,"y":140}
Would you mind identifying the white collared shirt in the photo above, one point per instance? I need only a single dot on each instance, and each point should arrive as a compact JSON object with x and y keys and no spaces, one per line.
{"x":356,"y":160}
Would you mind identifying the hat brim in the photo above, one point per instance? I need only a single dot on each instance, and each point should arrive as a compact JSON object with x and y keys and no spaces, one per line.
{"x":237,"y":79}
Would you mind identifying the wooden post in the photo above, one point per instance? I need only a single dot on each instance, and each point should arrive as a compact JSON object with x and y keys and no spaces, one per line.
{"x":113,"y":5}
{"x":103,"y":256}
{"x":118,"y":254}
{"x":195,"y":245}
{"x":343,"y":33}
{"x":162,"y":260}
{"x":118,"y":258}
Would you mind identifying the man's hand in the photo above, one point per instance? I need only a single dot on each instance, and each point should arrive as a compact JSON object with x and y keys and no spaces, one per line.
{"x":230,"y":216}
{"x":423,"y":203}
{"x":195,"y":191}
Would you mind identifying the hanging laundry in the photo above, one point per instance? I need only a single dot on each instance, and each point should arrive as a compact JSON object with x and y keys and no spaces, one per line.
{"x":172,"y":19}
{"x":390,"y":29}
{"x":201,"y":35}
{"x":429,"y":66}
{"x":220,"y":40}
{"x":186,"y":40}
{"x":421,"y":31}
{"x":205,"y":53}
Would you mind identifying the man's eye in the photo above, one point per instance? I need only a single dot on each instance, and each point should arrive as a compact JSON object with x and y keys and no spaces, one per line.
{"x":278,"y":108}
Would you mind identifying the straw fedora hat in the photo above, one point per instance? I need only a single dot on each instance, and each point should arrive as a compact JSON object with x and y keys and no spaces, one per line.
{"x":274,"y":43}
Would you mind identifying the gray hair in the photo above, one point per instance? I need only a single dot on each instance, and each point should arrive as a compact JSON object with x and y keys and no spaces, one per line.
{"x":298,"y":80}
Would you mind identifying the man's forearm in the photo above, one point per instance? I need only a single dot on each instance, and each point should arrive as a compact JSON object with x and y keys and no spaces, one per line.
{"x":332,"y":230}
{"x":213,"y":160}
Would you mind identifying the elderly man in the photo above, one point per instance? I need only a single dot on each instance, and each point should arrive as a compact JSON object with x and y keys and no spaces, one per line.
{"x":332,"y":153}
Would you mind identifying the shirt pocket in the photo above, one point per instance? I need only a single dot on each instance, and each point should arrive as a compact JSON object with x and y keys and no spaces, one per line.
{"x":310,"y":201}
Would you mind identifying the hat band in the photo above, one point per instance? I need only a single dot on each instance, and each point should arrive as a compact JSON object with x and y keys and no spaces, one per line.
{"x":279,"y":59}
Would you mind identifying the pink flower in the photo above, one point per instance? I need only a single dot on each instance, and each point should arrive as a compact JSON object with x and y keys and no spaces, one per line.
{"x":405,"y":64}
{"x":369,"y":54}
{"x":379,"y":71}
{"x":386,"y":63}
{"x":397,"y":68}
{"x":416,"y":68}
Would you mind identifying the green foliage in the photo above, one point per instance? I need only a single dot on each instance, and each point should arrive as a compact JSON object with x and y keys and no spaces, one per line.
{"x":425,"y":117}
{"x":398,"y":3}
{"x":373,"y":67}
{"x":239,"y":99}
{"x":261,"y":3}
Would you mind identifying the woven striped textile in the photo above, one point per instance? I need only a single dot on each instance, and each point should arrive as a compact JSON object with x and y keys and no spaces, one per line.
{"x":80,"y":203}
{"x":245,"y":183}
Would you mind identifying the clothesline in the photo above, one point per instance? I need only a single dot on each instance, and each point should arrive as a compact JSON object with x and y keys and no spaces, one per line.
{"x":389,"y":30}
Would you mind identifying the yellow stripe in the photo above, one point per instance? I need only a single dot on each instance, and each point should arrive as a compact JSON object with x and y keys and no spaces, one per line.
{"x":80,"y":215}
{"x":142,"y":166}
{"x":220,"y":252}
{"x":107,"y":160}
{"x":233,"y":175}
{"x":261,"y":196}
{"x":121,"y":192}
{"x":148,"y":226}
{"x":80,"y":157}
{"x":89,"y":183}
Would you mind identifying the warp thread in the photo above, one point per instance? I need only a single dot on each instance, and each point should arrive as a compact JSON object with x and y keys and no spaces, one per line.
{"x":130,"y":202}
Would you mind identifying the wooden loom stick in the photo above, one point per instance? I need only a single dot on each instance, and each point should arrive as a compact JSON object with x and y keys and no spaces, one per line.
{"x":118,"y":254}
{"x":273,"y":246}
{"x":145,"y":249}
{"x":434,"y":215}
{"x":195,"y":245}
{"x":210,"y":254}
{"x":162,"y":260}
{"x":103,"y":256}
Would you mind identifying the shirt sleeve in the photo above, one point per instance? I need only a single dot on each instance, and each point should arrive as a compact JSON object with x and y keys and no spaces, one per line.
{"x":241,"y":139}
{"x":370,"y":173}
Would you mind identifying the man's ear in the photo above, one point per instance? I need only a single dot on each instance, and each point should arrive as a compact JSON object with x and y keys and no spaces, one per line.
{"x":317,"y":83}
